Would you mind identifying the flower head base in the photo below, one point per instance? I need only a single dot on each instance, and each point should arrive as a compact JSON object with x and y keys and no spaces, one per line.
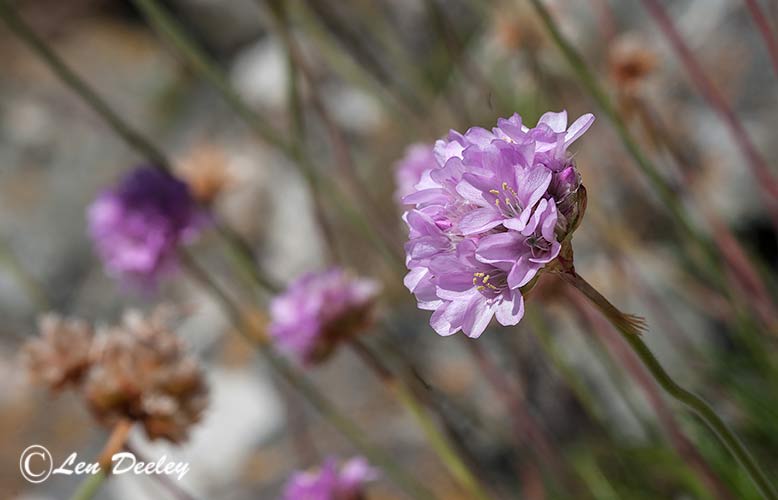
{"x":331,"y":482}
{"x":318,"y":311}
{"x":60,"y":356}
{"x":495,"y":209}
{"x":141,"y":372}
{"x":138,"y":225}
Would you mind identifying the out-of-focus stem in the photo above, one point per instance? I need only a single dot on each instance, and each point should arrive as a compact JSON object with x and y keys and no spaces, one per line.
{"x":26,"y":281}
{"x":299,"y":430}
{"x":543,"y":333}
{"x":69,"y":77}
{"x":768,"y":184}
{"x":589,"y":80}
{"x":300,"y":383}
{"x":700,"y":252}
{"x":763,"y":24}
{"x":88,"y":488}
{"x":125,"y":131}
{"x":168,"y":27}
{"x":443,"y":449}
{"x":115,"y":443}
{"x":686,"y":450}
{"x":174,"y":489}
{"x":340,"y":147}
{"x":702,"y":409}
{"x":349,"y":41}
{"x":743,"y":273}
{"x":298,"y":133}
{"x":524,"y":424}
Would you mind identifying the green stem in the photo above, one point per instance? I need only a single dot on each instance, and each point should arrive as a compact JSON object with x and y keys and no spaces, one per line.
{"x":125,"y":131}
{"x":69,"y":77}
{"x":346,"y":427}
{"x":700,"y":252}
{"x":88,"y":488}
{"x":703,"y":410}
{"x":167,"y":26}
{"x":443,"y":449}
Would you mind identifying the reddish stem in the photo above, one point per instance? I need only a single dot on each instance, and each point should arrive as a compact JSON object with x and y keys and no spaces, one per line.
{"x":770,"y":39}
{"x":759,"y":167}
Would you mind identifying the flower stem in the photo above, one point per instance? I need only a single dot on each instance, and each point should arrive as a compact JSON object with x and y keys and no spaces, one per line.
{"x":524,"y":424}
{"x":75,"y":83}
{"x":131,"y":136}
{"x":761,"y":171}
{"x":116,"y":442}
{"x":167,"y":26}
{"x":698,"y":248}
{"x":762,"y":23}
{"x":174,"y":489}
{"x":621,"y":353}
{"x":89,"y":487}
{"x":625,"y":325}
{"x":443,"y":449}
{"x":299,"y":382}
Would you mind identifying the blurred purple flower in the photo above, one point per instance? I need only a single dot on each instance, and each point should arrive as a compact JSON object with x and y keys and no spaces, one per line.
{"x":138,"y":225}
{"x":489,"y":216}
{"x":408,"y":171}
{"x":331,"y":482}
{"x":318,"y":310}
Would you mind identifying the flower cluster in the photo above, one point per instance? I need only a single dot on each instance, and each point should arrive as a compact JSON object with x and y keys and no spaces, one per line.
{"x":488,"y":216}
{"x":318,"y":311}
{"x":60,"y":355}
{"x":136,"y":371}
{"x":138,"y":225}
{"x":331,"y":482}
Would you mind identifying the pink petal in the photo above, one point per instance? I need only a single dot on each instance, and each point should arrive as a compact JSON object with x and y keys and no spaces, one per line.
{"x":556,"y":121}
{"x":501,"y":247}
{"x":447,"y":320}
{"x":510,"y":312}
{"x":479,"y":220}
{"x":578,"y":128}
{"x":522,"y":273}
{"x":477,"y":317}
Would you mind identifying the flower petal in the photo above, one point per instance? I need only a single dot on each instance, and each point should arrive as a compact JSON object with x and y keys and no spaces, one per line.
{"x":477,"y":317}
{"x":502,"y":247}
{"x":578,"y":128}
{"x":479,"y":220}
{"x":522,"y":272}
{"x":556,"y":121}
{"x":509,"y":312}
{"x":448,"y":319}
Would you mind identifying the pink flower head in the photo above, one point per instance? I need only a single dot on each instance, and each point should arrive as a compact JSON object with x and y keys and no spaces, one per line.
{"x":488,"y":217}
{"x":138,"y":225}
{"x":318,"y":310}
{"x":331,"y":482}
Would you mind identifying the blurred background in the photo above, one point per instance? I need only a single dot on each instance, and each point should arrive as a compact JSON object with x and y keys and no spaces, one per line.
{"x":353,"y":83}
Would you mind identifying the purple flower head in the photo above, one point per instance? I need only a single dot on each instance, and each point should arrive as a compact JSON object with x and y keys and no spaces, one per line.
{"x":408,"y":171}
{"x":472,"y":292}
{"x":331,"y":482}
{"x":490,"y":215}
{"x":318,"y":310}
{"x":138,"y":225}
